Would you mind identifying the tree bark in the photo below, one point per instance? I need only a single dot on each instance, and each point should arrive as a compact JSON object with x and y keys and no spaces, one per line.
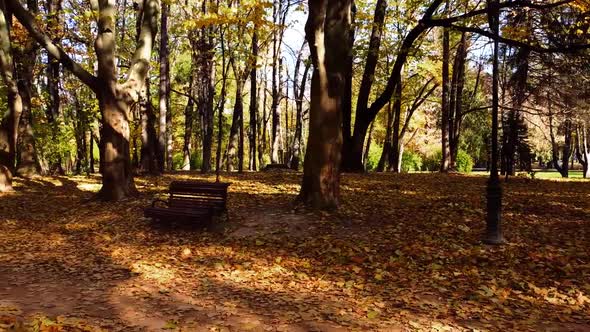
{"x":327,"y":32}
{"x":149,"y":153}
{"x":298,"y":135}
{"x":224,"y":69}
{"x":444,"y":165}
{"x":387,"y":142}
{"x":456,"y":101}
{"x":164,"y":91}
{"x":394,"y":155}
{"x":9,"y":122}
{"x":204,"y":47}
{"x":583,"y":149}
{"x":188,"y":127}
{"x":279,"y":17}
{"x":237,"y":119}
{"x":253,"y":103}
{"x":27,"y":164}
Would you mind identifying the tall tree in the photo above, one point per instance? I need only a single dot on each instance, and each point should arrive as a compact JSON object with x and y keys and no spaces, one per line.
{"x":583,"y":148}
{"x":444,"y":164}
{"x":279,"y":15}
{"x":365,"y":112}
{"x":164,"y":90}
{"x":352,"y":149}
{"x":115,"y":99}
{"x":327,"y":32}
{"x":456,"y":100}
{"x":203,"y":45}
{"x":493,"y":234}
{"x":25,"y":59}
{"x":10,"y":119}
{"x":253,"y":102}
{"x":299,"y":93}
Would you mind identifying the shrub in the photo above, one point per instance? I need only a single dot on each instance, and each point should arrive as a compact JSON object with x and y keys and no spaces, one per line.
{"x":431,"y":162}
{"x":374,"y":156}
{"x":197,"y":160}
{"x":411,"y":162}
{"x":464,"y":162}
{"x":178,"y":160}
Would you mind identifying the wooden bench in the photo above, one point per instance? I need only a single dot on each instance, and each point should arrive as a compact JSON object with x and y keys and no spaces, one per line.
{"x":191,"y":201}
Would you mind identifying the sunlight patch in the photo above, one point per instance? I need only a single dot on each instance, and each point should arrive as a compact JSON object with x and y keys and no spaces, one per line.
{"x":91,"y":187}
{"x":153,"y":271}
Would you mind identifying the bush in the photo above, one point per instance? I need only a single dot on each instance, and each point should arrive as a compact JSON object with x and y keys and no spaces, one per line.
{"x":374,"y":156}
{"x":464,"y":162}
{"x":411,"y":162}
{"x":197,"y":160}
{"x":431,"y":163}
{"x":178,"y":160}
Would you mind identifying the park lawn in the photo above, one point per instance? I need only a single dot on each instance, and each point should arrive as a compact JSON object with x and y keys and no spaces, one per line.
{"x":403,"y":253}
{"x":556,"y":175}
{"x":544,"y":175}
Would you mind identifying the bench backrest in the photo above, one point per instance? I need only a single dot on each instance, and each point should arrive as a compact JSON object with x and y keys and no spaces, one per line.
{"x":193,"y":193}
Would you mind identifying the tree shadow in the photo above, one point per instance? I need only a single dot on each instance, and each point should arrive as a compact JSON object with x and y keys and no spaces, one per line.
{"x":405,"y":247}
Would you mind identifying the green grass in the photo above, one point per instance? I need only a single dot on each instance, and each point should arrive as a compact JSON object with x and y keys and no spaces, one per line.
{"x":556,"y":175}
{"x":545,"y":174}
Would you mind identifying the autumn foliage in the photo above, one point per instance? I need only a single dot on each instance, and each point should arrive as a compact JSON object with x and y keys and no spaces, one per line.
{"x":403,"y":253}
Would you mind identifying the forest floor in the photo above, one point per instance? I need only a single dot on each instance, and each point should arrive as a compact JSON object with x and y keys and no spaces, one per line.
{"x":403,"y":254}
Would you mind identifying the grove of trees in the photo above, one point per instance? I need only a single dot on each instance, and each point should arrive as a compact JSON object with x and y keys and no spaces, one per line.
{"x":127,"y":87}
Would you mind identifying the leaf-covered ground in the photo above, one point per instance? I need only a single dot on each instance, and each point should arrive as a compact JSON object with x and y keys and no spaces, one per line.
{"x":402,"y":254}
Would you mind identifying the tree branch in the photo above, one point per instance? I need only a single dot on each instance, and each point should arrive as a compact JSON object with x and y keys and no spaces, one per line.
{"x":516,"y":43}
{"x":28,"y":21}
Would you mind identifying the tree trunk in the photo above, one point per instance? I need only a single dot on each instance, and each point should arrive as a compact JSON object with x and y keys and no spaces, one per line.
{"x":567,"y":146}
{"x":206,"y":91}
{"x":237,"y":119}
{"x":91,"y":168}
{"x":327,"y":32}
{"x":444,"y":165}
{"x":117,"y":176}
{"x":348,"y":93}
{"x":394,"y":156}
{"x":253,"y":104}
{"x":221,"y":107}
{"x":149,"y":154}
{"x":277,"y":64}
{"x":353,"y":147}
{"x":298,"y":135}
{"x":9,"y":123}
{"x":387,"y":142}
{"x":188,"y":131}
{"x":27,"y":164}
{"x":264,"y":126}
{"x":164,"y":91}
{"x":456,"y":100}
{"x":79,"y":122}
{"x":368,"y":146}
{"x":583,"y":149}
{"x":53,"y":70}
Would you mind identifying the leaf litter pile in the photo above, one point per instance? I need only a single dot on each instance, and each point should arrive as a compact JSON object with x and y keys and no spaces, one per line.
{"x":402,"y":254}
